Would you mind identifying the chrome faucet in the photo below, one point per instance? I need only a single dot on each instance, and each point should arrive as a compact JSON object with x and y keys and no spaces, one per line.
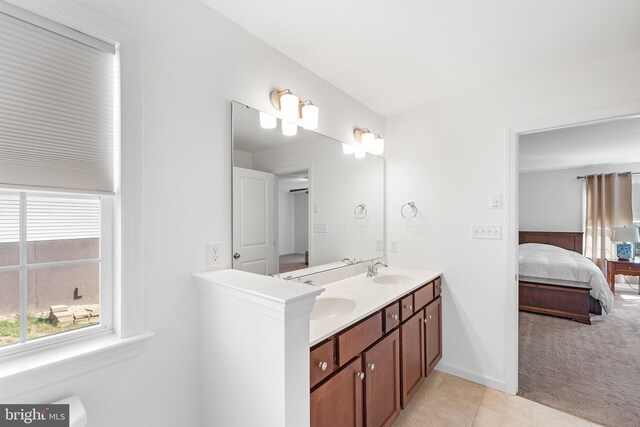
{"x":348,"y":260}
{"x":373,"y":269}
{"x":309,"y":282}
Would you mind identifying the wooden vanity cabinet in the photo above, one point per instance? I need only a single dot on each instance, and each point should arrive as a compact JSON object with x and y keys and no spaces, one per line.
{"x":412,"y":353}
{"x":380,"y":362}
{"x":382,"y":382}
{"x":338,"y":402}
{"x":433,"y":334}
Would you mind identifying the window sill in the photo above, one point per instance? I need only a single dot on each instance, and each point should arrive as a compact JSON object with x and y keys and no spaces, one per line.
{"x":31,"y":371}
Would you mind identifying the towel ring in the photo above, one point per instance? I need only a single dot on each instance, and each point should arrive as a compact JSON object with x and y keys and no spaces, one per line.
{"x":414,"y":210}
{"x":360,"y":212}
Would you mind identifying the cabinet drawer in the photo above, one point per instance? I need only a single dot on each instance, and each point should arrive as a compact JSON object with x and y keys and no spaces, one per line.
{"x":423,"y":296}
{"x":437,"y":287}
{"x":391,"y":316}
{"x":353,"y":341}
{"x":620,"y":267}
{"x":406,"y":307}
{"x":322,"y":362}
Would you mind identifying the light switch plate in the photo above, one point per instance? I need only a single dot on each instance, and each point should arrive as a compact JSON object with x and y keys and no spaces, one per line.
{"x":320,"y":227}
{"x":496,"y":201}
{"x":394,"y":245}
{"x":486,"y":231}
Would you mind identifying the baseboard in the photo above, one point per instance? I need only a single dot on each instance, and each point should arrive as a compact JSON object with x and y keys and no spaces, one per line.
{"x":471,"y":376}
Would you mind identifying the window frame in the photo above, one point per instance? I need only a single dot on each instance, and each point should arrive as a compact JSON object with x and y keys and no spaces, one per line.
{"x":129,"y":328}
{"x":105,"y":261}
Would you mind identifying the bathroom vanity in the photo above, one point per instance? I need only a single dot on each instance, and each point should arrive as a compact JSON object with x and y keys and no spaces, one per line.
{"x":366,"y":365}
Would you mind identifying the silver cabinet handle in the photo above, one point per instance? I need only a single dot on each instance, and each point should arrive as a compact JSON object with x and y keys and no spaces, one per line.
{"x":425,"y":320}
{"x":361,"y":375}
{"x":323,"y":366}
{"x":236,"y":255}
{"x":410,"y":307}
{"x":372,"y":366}
{"x":394,"y":317}
{"x":429,"y":316}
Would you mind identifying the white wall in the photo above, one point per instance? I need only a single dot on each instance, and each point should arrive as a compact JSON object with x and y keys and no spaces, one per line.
{"x":554,"y":200}
{"x":242,"y":159}
{"x":195,"y":63}
{"x":301,"y":222}
{"x":286,"y":221}
{"x":448,"y":160}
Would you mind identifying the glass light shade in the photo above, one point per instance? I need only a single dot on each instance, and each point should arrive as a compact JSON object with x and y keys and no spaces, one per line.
{"x":310,"y":114}
{"x":360,"y":153}
{"x":367,"y":141}
{"x":626,"y":234}
{"x":378,"y":146}
{"x":267,"y":121}
{"x":348,"y":148}
{"x":289,"y":129}
{"x":289,"y":106}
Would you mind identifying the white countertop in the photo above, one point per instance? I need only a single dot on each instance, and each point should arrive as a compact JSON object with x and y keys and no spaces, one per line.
{"x":368,"y":295}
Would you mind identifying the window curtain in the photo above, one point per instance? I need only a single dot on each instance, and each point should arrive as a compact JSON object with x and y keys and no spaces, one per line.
{"x":609,"y":205}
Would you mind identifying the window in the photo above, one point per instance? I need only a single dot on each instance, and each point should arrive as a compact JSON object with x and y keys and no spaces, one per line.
{"x":50,"y":263}
{"x":59,"y":132}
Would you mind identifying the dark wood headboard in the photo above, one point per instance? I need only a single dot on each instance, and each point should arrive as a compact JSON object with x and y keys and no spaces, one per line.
{"x":571,"y":241}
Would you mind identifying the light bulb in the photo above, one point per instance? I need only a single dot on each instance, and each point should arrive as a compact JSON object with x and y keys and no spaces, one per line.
{"x":289,"y":129}
{"x":348,"y":148}
{"x":310,"y":114}
{"x":367,"y":141}
{"x":289,"y":106}
{"x":378,"y":146}
{"x":360,"y":153}
{"x":267,"y":121}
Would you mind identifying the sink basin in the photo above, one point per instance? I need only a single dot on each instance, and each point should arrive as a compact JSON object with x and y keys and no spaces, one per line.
{"x":329,"y":307}
{"x":393,"y":279}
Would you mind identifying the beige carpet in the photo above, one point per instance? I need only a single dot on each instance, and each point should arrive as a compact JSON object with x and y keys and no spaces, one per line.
{"x":589,"y":371}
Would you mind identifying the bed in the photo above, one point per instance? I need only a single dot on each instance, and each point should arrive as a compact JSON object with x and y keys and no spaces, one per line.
{"x":555,"y":279}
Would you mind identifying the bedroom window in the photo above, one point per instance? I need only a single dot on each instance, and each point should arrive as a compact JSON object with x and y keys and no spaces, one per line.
{"x":59,"y":127}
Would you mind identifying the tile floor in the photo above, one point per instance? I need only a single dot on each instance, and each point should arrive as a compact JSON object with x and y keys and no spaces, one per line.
{"x":448,"y":401}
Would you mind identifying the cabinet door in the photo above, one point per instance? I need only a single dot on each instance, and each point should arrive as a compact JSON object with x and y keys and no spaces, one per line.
{"x":433,"y":322}
{"x":412,"y":356}
{"x":382,"y":382}
{"x":338,"y":402}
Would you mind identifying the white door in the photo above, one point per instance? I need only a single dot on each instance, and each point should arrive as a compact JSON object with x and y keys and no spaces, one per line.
{"x":254,"y":248}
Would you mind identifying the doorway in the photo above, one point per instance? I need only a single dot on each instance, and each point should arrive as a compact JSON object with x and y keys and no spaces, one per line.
{"x":556,"y":222}
{"x":293,"y":221}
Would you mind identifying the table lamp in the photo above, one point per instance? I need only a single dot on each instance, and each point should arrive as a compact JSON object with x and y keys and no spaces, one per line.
{"x":627,"y":236}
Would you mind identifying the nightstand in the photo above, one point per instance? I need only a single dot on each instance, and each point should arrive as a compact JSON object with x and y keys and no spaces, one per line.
{"x":628,"y":268}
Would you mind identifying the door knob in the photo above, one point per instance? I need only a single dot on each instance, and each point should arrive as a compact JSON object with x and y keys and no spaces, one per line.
{"x":394,"y":316}
{"x":372,"y":366}
{"x":323,"y":366}
{"x":236,"y":255}
{"x":361,"y":375}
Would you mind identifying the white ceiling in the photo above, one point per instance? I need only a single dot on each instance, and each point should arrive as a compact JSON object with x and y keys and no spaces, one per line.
{"x":397,"y":56}
{"x":605,"y":143}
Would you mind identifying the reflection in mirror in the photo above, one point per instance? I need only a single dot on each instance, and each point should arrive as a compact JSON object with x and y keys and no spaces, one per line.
{"x":299,"y":203}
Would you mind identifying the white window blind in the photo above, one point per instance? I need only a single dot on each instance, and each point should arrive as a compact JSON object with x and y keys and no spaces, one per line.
{"x":58,"y":218}
{"x":9,"y":218}
{"x":57,"y":105}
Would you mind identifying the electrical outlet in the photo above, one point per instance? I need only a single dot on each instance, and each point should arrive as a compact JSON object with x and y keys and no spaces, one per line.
{"x":214,"y":253}
{"x":394,"y":245}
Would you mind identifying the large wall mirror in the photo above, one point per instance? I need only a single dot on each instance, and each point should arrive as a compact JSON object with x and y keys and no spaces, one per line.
{"x":301,"y":205}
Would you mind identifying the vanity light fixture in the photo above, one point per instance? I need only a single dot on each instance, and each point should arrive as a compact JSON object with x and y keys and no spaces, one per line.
{"x":309,"y":113}
{"x":267,"y":121}
{"x":378,"y":145}
{"x":289,"y":128}
{"x":295,"y":111}
{"x":348,"y":148}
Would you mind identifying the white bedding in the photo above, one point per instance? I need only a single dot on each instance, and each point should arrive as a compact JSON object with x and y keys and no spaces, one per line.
{"x":552,"y":262}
